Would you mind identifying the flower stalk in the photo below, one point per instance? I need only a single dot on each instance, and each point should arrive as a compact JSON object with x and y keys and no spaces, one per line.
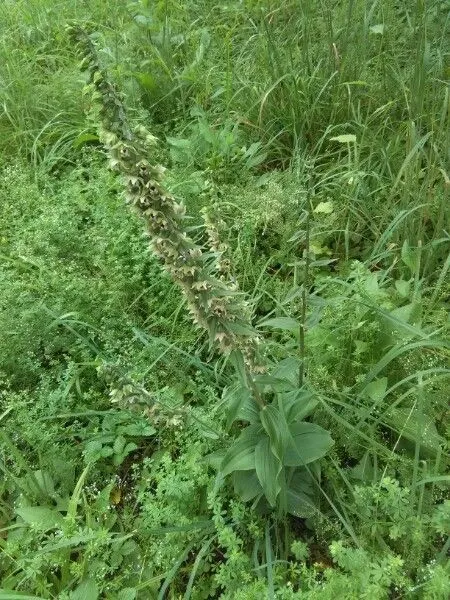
{"x":214,"y":302}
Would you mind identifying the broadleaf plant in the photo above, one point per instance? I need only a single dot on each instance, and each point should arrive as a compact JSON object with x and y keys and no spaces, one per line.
{"x":269,"y":456}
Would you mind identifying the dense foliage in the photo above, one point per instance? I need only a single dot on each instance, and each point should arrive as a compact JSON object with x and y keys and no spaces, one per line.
{"x":239,"y":389}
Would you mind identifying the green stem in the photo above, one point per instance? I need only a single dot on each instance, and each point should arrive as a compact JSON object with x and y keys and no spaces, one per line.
{"x":302,"y":328}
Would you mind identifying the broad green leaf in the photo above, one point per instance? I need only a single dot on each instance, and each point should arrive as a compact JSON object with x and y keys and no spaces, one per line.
{"x":205,"y":40}
{"x":87,"y":590}
{"x":325,"y":208}
{"x":346,"y":138}
{"x":376,"y":389}
{"x":403,"y":322}
{"x":268,"y":468}
{"x":246,"y":485}
{"x":215,"y":459}
{"x":208,"y":133}
{"x":145,"y":80}
{"x":275,"y":426}
{"x":119,"y":444}
{"x":237,"y":360}
{"x":236,"y":397}
{"x":309,"y":442}
{"x":299,"y":504}
{"x":319,"y":249}
{"x":410,"y":257}
{"x":414,"y":426}
{"x":93,"y":450}
{"x":128,"y":547}
{"x":275,"y":383}
{"x":84,"y":138}
{"x":299,"y":235}
{"x":256,"y":160}
{"x":180,"y":149}
{"x":239,"y":328}
{"x":41,"y":517}
{"x":298,"y":404}
{"x":360,"y":347}
{"x":371,"y":286}
{"x":403,"y":287}
{"x":288,"y":369}
{"x":249,"y":411}
{"x":294,"y":293}
{"x":142,"y":20}
{"x":254,"y":156}
{"x":241,"y":455}
{"x":364,"y":469}
{"x":119,"y":457}
{"x":262,"y":180}
{"x":409,"y":313}
{"x":45,"y":482}
{"x":242,"y":404}
{"x":299,"y":497}
{"x":286,"y":323}
{"x":139,"y":429}
{"x":322,"y":263}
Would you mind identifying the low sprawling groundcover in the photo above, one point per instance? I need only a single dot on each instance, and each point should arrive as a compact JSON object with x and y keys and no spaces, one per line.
{"x":238,"y":390}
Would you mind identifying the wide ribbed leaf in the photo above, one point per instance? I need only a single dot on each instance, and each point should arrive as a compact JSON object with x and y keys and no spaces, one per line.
{"x":246,"y":485}
{"x":300,"y":496}
{"x":42,"y":518}
{"x":297,"y":404}
{"x":287,"y":369}
{"x":241,"y":455}
{"x":308,"y":443}
{"x":268,"y":468}
{"x":287,"y":323}
{"x":276,"y":428}
{"x":236,"y":398}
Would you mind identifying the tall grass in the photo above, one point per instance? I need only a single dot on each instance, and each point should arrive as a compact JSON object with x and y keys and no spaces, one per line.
{"x":41,"y":107}
{"x":295,"y":75}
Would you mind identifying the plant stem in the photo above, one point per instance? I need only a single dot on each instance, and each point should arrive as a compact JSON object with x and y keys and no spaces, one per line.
{"x":302,"y":348}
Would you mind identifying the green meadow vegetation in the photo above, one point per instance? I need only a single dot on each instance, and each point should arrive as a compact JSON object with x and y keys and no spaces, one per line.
{"x":224,"y":293}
